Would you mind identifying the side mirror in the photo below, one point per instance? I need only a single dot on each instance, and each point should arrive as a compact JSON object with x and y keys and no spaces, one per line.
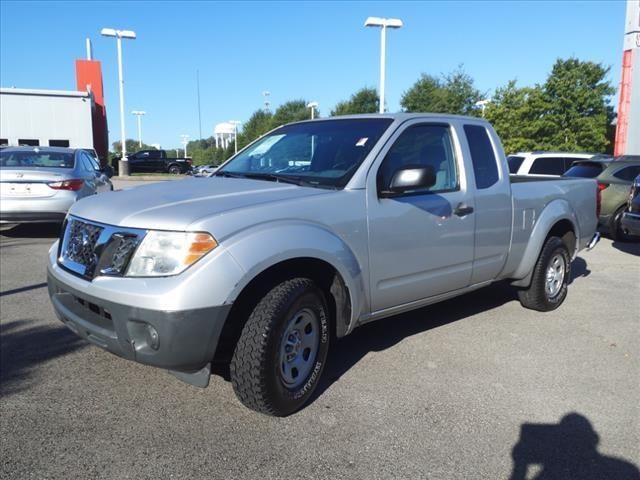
{"x":107,"y":170}
{"x":410,"y":178}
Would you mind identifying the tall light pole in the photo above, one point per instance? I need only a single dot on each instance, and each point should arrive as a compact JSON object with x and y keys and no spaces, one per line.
{"x":383,"y":23}
{"x":267,"y":103}
{"x":119,"y":35}
{"x":312,"y":106}
{"x":235,"y":124}
{"x":185,"y":140}
{"x":483,"y":104}
{"x":139,"y":114}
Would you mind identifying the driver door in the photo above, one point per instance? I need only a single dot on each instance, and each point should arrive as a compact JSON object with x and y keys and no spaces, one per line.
{"x":421,"y":243}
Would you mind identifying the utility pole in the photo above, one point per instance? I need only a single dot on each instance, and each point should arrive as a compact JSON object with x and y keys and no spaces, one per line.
{"x":199,"y":115}
{"x":185,"y":140}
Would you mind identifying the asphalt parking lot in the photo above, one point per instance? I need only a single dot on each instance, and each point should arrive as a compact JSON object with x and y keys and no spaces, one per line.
{"x":445,"y":392}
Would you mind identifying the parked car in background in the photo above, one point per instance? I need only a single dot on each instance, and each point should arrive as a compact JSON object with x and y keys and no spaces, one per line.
{"x":155,"y":161}
{"x":543,"y":163}
{"x":39,"y":184}
{"x":631,"y":217}
{"x":313,"y":230}
{"x":590,"y":168}
{"x":614,"y":184}
{"x":204,"y":170}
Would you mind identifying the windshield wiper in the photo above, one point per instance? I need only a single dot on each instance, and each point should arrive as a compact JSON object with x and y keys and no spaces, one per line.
{"x":272,"y":177}
{"x":228,"y":174}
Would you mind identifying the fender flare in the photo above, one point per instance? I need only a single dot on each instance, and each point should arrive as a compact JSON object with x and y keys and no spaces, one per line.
{"x":553,"y":213}
{"x":265,"y":245}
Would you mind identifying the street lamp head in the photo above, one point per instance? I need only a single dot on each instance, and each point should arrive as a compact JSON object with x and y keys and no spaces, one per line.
{"x":138,"y":112}
{"x":235,"y":122}
{"x":112,"y":32}
{"x":312,"y":105}
{"x":383,"y":22}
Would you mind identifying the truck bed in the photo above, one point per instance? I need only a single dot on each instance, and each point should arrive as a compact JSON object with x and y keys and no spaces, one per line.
{"x":536,"y":198}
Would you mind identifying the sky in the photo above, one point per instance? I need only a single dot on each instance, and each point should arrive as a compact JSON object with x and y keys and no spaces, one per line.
{"x":317,"y":51}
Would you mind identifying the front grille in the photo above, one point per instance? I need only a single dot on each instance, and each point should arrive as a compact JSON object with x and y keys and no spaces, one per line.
{"x":81,"y":246}
{"x":89,"y":249}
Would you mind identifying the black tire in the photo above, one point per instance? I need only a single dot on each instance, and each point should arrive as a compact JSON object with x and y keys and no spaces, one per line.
{"x":174,"y":169}
{"x":536,"y":297}
{"x":615,"y":228}
{"x":256,"y":365}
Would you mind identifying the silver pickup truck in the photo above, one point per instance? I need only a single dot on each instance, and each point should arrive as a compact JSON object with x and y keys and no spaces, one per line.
{"x":314,"y":229}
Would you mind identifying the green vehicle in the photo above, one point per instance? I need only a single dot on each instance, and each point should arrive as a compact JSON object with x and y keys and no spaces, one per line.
{"x":614,"y":176}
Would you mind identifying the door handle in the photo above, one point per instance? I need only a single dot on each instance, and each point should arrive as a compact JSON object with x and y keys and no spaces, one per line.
{"x":462,"y":210}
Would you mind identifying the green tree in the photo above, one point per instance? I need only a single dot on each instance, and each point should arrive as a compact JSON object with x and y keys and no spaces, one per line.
{"x":291,"y":111}
{"x":132,"y":146}
{"x":517,"y":115}
{"x":571,"y":111}
{"x":453,"y":93}
{"x":578,"y":115}
{"x":365,"y":100}
{"x":258,"y":124}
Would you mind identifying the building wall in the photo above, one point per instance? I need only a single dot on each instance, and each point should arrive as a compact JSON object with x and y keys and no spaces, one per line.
{"x":46,"y":115}
{"x":628,"y":122}
{"x":633,"y":127}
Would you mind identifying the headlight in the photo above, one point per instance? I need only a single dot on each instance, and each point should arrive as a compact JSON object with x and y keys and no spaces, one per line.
{"x":168,"y":253}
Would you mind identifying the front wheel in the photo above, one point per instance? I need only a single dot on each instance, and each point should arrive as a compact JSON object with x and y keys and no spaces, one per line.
{"x":174,"y":169}
{"x":282,"y":349}
{"x":550,"y":280}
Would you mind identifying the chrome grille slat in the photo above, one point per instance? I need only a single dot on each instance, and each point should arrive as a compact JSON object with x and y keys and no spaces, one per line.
{"x":89,"y":249}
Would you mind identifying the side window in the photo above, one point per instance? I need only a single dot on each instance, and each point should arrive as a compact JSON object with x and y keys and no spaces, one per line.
{"x":421,"y":146}
{"x":485,"y":165}
{"x":514,"y":163}
{"x":628,"y":173}
{"x":568,"y":161}
{"x":87,"y":164}
{"x":548,"y":166}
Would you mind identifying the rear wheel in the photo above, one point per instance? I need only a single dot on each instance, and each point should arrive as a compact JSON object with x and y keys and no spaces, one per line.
{"x":174,"y":169}
{"x":283,"y":348}
{"x":615,"y":227}
{"x":550,"y":280}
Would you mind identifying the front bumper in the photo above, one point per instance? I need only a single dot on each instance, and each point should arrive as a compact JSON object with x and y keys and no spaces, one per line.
{"x":183,"y":341}
{"x":631,"y":223}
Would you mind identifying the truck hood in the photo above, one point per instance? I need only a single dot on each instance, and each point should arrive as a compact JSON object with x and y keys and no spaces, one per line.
{"x":174,"y":205}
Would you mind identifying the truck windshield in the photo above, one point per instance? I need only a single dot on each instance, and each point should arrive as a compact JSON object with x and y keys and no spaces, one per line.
{"x":24,"y":159}
{"x":325,"y":153}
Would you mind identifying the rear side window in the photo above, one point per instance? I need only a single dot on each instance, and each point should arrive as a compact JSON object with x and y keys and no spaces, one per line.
{"x":584,"y":170}
{"x":484,"y":162}
{"x":514,"y":163}
{"x":548,"y":166}
{"x":628,"y":173}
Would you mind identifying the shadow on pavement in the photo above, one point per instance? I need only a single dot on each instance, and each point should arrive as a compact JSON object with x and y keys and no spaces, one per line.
{"x":33,"y":230}
{"x":565,"y":450}
{"x":632,"y":248}
{"x":23,"y":348}
{"x":579,"y":269}
{"x":23,"y":289}
{"x":380,"y":335}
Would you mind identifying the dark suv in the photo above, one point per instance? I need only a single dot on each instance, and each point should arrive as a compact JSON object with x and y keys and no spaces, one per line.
{"x":631,"y":218}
